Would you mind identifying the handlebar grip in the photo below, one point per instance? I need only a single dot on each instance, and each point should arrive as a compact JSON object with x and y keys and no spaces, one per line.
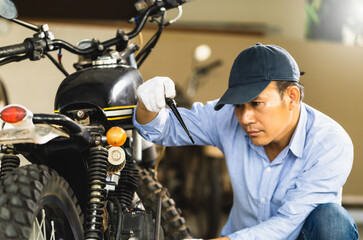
{"x":13,"y":50}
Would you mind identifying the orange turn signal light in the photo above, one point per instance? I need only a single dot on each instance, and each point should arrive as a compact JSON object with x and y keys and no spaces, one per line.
{"x":116,"y":136}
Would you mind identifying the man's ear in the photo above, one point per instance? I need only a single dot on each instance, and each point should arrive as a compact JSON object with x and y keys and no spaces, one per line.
{"x":293,"y":94}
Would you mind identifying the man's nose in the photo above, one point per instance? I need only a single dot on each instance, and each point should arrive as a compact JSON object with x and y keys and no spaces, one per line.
{"x":248,"y":116}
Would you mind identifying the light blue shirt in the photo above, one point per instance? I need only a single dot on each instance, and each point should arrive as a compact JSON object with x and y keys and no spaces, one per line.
{"x":271,"y":199}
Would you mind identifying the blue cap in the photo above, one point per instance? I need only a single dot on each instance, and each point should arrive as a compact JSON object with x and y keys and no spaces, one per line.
{"x":254,"y":69}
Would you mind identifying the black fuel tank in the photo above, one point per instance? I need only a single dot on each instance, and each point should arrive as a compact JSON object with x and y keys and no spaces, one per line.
{"x":112,"y":88}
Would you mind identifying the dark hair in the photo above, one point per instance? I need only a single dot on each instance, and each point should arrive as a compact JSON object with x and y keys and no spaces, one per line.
{"x":283,"y":85}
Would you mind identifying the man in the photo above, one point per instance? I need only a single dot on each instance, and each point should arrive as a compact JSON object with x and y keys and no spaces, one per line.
{"x":287,"y":161}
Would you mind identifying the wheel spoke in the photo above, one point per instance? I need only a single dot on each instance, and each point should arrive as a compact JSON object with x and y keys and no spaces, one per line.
{"x":52,"y":237}
{"x":42,"y":224}
{"x":40,"y":229}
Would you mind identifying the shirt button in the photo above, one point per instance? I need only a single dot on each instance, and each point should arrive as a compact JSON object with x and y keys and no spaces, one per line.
{"x":144,"y":132}
{"x":263,"y":200}
{"x":268,"y":169}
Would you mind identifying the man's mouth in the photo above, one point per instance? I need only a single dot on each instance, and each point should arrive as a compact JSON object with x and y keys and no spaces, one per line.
{"x":253,"y":133}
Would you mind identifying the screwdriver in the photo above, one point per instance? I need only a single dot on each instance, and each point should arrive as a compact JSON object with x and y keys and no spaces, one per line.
{"x":171,"y":103}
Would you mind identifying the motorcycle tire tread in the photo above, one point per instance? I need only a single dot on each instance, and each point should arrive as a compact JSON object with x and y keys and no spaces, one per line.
{"x":19,"y":193}
{"x":173,"y":223}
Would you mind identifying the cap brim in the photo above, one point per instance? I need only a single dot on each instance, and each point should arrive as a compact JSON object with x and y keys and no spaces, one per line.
{"x":241,"y":94}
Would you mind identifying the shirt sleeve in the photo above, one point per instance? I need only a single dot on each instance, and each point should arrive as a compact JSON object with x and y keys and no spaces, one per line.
{"x":166,"y":130}
{"x":320,"y":182}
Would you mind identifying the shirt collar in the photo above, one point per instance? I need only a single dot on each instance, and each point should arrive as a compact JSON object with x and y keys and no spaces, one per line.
{"x":297,"y":142}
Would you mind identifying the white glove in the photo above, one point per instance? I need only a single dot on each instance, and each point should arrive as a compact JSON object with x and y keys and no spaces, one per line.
{"x":154,"y":91}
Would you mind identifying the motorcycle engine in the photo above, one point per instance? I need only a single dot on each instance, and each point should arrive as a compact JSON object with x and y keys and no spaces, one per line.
{"x":138,"y":225}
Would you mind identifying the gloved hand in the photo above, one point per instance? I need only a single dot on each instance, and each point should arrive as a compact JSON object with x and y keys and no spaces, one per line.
{"x":154,"y":91}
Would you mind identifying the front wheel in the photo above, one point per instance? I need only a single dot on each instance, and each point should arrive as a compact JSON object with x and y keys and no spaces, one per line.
{"x":37,"y":203}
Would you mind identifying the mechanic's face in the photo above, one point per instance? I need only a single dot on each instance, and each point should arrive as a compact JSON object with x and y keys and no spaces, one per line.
{"x":268,"y":119}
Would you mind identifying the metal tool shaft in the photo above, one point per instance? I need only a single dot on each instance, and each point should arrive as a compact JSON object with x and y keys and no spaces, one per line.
{"x":172,"y":105}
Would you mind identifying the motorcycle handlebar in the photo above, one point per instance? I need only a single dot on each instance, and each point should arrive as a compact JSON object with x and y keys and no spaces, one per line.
{"x":27,"y":46}
{"x":40,"y":45}
{"x":13,"y":50}
{"x":62,"y":44}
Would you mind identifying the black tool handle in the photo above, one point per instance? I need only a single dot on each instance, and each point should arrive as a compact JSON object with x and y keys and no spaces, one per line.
{"x":172,"y":105}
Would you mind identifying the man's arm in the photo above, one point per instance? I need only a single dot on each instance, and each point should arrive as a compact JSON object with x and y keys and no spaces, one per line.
{"x":159,"y":125}
{"x":144,"y":116}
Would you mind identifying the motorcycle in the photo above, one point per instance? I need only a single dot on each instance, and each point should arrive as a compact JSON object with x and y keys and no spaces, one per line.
{"x":89,"y":175}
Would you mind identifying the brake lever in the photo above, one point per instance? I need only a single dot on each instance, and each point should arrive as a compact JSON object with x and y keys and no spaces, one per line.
{"x":171,"y":103}
{"x":7,"y":60}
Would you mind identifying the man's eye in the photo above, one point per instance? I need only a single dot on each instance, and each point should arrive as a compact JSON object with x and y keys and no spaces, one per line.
{"x":255,"y":104}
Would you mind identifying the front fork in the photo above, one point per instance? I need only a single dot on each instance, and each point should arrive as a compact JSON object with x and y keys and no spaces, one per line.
{"x":97,"y":173}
